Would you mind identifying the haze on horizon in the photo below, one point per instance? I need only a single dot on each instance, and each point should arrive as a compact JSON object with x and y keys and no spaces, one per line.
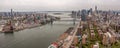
{"x":54,"y":5}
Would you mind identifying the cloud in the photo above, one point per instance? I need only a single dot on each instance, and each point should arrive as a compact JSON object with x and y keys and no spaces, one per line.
{"x":59,"y":4}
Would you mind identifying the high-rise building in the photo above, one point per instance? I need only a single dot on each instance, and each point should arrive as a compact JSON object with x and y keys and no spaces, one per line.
{"x":11,"y":12}
{"x":74,"y":14}
{"x":96,"y":10}
{"x":83,"y":15}
{"x":78,"y":13}
{"x":90,"y":10}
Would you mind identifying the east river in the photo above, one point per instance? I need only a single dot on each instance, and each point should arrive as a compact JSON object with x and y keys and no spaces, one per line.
{"x":38,"y":37}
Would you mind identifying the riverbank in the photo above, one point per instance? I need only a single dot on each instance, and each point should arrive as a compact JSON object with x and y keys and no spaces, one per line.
{"x":65,"y":37}
{"x":29,"y":26}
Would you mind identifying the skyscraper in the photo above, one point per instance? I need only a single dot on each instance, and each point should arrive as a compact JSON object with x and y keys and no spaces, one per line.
{"x":83,"y":15}
{"x":90,"y":11}
{"x":11,"y":12}
{"x":96,"y":11}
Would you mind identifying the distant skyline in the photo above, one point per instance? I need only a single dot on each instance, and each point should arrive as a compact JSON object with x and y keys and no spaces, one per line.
{"x":54,"y":5}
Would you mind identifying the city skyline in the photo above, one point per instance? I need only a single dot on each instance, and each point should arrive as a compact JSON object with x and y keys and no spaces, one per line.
{"x":54,"y":5}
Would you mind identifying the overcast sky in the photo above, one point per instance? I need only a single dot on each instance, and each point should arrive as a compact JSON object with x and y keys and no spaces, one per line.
{"x":43,"y":5}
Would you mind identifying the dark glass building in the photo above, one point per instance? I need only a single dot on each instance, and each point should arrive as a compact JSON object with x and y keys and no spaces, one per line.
{"x":84,"y":14}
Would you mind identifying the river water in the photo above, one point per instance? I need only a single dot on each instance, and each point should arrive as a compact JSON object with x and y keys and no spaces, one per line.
{"x":38,"y":37}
